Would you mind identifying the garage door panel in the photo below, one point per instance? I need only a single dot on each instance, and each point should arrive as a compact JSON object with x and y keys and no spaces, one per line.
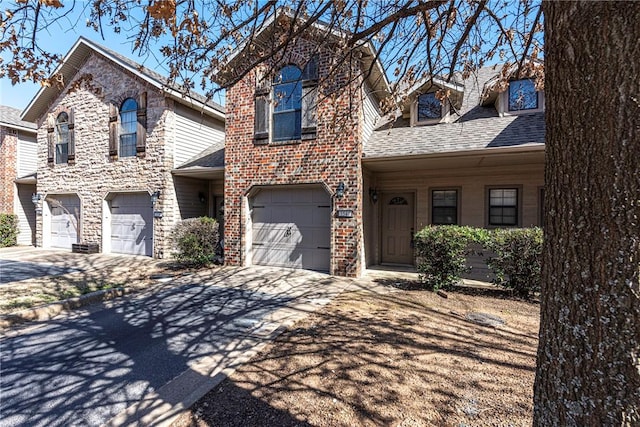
{"x":132,"y":224}
{"x":322,"y":217}
{"x":289,"y":226}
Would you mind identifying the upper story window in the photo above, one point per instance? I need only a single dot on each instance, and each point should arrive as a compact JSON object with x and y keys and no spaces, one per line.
{"x":62,"y":138}
{"x":287,"y":108}
{"x":429,"y":107}
{"x":523,"y":95}
{"x":128,"y":127}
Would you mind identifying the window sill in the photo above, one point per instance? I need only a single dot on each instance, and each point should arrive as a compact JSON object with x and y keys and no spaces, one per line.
{"x":266,"y":142}
{"x":522,"y":112}
{"x":286,"y":142}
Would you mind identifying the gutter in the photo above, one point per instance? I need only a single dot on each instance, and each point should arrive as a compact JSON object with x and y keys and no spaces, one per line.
{"x":461,"y":153}
{"x":19,"y":127}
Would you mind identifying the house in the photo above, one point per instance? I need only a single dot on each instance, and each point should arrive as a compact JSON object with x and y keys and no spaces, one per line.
{"x":18,"y":171}
{"x":302,"y":170}
{"x":315,"y":177}
{"x":112,"y":141}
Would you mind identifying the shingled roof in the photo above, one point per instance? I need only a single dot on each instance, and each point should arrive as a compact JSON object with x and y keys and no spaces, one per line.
{"x":10,"y":117}
{"x":212,"y":157}
{"x":476,"y":128}
{"x":83,"y":48}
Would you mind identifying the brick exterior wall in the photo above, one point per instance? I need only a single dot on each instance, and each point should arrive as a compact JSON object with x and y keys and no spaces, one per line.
{"x":332,"y":157}
{"x":95,"y":175}
{"x":8,"y":168}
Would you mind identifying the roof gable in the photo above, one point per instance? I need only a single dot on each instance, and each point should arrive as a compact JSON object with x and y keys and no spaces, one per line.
{"x":81,"y":50}
{"x":375,"y":74}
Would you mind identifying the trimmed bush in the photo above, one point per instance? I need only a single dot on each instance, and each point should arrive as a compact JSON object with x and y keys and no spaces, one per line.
{"x":517,"y":262}
{"x":441,"y":252}
{"x":195,"y":240}
{"x":8,"y":230}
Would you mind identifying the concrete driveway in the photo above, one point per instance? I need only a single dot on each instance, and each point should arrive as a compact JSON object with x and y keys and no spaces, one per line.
{"x":143,"y":358}
{"x":24,"y":263}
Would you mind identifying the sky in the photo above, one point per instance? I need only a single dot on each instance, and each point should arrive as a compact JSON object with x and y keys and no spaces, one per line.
{"x":60,"y":40}
{"x":60,"y":37}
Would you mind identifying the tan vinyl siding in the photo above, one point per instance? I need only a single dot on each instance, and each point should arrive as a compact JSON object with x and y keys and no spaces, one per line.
{"x":188,"y":194}
{"x":194,"y":133}
{"x":473,"y":184}
{"x":27,"y":154}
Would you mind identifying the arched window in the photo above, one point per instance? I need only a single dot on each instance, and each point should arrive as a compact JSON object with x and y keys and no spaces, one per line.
{"x":287,"y":96}
{"x":62,"y":138}
{"x":128,"y":127}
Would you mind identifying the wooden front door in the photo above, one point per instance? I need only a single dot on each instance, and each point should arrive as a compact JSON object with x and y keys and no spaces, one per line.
{"x":397,"y":228}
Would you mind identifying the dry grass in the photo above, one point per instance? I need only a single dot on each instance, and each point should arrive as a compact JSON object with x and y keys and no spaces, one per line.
{"x":401,"y":358}
{"x":65,"y":275}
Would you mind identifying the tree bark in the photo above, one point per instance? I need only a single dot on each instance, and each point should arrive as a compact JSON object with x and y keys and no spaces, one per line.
{"x":588,"y":371}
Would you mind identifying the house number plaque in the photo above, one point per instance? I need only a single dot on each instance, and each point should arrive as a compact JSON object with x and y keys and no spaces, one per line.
{"x":344,"y":213}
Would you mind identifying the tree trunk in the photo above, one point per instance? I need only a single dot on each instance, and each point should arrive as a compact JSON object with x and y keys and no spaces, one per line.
{"x":588,"y":371}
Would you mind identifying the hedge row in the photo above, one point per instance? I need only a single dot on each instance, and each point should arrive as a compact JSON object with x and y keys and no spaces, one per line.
{"x":8,"y":230}
{"x":516,"y":258}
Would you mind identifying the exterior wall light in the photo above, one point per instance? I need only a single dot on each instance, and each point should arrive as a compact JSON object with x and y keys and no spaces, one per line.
{"x":201,"y":197}
{"x":340,"y":190}
{"x":154,"y":197}
{"x":35,"y":198}
{"x":373,"y":194}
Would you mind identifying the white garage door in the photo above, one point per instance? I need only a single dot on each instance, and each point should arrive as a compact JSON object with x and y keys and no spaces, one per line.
{"x":291,"y":228}
{"x":132,"y":224}
{"x":65,"y":214}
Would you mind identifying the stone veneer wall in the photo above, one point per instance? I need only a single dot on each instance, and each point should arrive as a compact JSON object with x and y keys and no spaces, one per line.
{"x":8,"y":165}
{"x":331,"y":158}
{"x":94,"y":174}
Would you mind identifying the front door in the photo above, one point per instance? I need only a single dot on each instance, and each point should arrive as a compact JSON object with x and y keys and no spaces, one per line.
{"x":397,"y":228}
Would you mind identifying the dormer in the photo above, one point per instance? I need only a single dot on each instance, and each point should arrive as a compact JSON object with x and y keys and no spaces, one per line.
{"x":513,"y":95}
{"x":433,"y":101}
{"x":520,"y":97}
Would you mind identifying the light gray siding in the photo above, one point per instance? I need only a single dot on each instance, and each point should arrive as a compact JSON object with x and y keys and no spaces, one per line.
{"x":194,"y":133}
{"x":26,"y":214}
{"x":27,"y":154}
{"x":371,"y":112}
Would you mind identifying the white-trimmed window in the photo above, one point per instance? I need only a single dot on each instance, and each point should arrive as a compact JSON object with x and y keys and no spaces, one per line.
{"x":61,"y":146}
{"x":521,"y":97}
{"x":503,"y":207}
{"x":62,"y":138}
{"x":128,"y":128}
{"x":427,"y":109}
{"x":444,"y":207}
{"x":287,"y":110}
{"x":287,"y":104}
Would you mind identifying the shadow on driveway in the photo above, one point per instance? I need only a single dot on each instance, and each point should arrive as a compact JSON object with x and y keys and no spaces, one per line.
{"x":90,"y":367}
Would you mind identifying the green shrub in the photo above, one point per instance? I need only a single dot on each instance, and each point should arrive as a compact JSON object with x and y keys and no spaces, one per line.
{"x":195,"y":240}
{"x":441,"y":253}
{"x":517,"y":262}
{"x":8,"y":230}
